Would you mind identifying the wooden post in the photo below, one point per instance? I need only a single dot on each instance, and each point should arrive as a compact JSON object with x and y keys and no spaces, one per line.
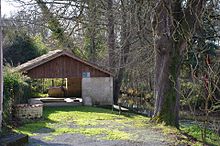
{"x":52,"y":83}
{"x":42,"y":85}
{"x":66,"y":83}
{"x":1,"y":70}
{"x":63,"y":87}
{"x":31,"y":87}
{"x":119,"y":106}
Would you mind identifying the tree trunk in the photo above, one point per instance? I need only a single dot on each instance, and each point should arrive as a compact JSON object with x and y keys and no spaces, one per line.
{"x":117,"y":84}
{"x":111,"y":49}
{"x":167,"y":70}
{"x":111,"y":36}
{"x":173,"y":26}
{"x":92,"y":28}
{"x":1,"y":71}
{"x":125,"y":44}
{"x":167,"y":67}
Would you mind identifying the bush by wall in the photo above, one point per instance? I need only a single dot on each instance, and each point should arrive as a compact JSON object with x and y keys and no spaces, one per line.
{"x":16,"y":90}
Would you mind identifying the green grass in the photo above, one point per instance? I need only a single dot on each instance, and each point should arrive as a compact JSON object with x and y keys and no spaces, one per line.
{"x":37,"y":94}
{"x":48,"y":138}
{"x":102,"y":123}
{"x":192,"y":131}
{"x":117,"y":135}
{"x":89,"y":121}
{"x":30,"y":128}
{"x":195,"y":131}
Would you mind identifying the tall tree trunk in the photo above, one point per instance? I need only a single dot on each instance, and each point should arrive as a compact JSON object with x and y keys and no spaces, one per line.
{"x":1,"y":71}
{"x":125,"y":45}
{"x":117,"y":85}
{"x":167,"y":69}
{"x":171,"y":34}
{"x":111,"y":46}
{"x":111,"y":35}
{"x":92,"y":30}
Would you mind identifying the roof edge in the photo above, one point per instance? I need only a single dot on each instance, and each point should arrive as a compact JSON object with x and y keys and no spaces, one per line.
{"x":55,"y":55}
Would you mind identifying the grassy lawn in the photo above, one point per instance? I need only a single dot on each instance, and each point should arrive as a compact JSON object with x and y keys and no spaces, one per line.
{"x":107,"y":125}
{"x":195,"y":131}
{"x":89,"y":121}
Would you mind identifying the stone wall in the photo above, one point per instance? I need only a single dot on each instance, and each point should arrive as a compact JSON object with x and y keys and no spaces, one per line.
{"x":27,"y":111}
{"x":99,"y":89}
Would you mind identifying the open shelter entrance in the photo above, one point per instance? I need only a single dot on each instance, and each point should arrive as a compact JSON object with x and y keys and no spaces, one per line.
{"x":84,"y":79}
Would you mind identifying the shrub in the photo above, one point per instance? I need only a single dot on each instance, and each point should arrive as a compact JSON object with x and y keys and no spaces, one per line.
{"x":16,"y":90}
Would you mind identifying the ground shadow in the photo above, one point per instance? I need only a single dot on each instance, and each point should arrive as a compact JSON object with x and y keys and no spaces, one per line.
{"x":36,"y":126}
{"x":37,"y":142}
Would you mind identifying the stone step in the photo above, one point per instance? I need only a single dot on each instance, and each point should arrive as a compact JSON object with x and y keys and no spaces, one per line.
{"x":63,"y":104}
{"x":51,"y":101}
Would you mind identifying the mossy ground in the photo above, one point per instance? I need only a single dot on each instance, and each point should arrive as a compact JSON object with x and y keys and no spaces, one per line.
{"x":104,"y":124}
{"x":189,"y":134}
{"x":195,"y":131}
{"x":89,"y":121}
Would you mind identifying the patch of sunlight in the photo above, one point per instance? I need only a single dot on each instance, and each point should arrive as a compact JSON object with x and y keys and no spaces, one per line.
{"x":167,"y":129}
{"x":92,"y":131}
{"x":107,"y":134}
{"x":48,"y":138}
{"x":60,"y":131}
{"x":24,"y":132}
{"x":111,"y":125}
{"x":140,"y":124}
{"x":135,"y":121}
{"x":115,"y":134}
{"x":78,"y":117}
{"x":82,"y":122}
{"x":56,"y":119}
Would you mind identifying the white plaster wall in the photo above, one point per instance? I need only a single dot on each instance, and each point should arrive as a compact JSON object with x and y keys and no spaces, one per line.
{"x":99,"y":89}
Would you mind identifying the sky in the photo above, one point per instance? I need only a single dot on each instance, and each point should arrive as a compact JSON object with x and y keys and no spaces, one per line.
{"x":7,"y":8}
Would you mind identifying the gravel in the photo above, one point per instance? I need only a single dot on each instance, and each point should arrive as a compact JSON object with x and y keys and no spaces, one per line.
{"x":142,"y":137}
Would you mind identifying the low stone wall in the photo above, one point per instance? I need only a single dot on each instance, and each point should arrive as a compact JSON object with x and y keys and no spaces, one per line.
{"x":27,"y":111}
